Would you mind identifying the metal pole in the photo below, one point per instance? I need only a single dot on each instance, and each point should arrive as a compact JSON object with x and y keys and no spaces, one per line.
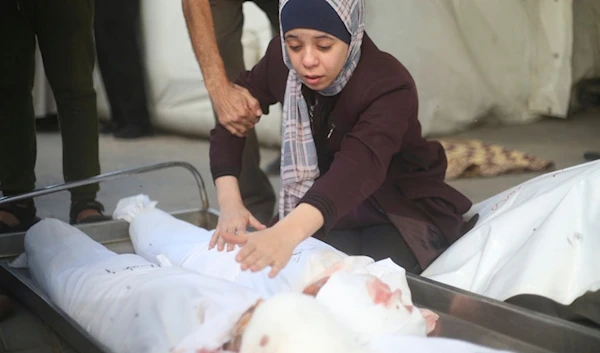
{"x":116,"y":175}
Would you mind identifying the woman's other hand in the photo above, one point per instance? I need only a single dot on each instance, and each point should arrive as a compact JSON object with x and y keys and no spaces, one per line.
{"x":234,"y":217}
{"x":234,"y":220}
{"x":269,"y":247}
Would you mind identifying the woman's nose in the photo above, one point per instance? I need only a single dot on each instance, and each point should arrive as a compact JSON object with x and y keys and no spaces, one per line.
{"x":310,"y":59}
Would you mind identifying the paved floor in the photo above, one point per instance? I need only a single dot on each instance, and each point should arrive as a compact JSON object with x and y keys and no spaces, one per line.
{"x":562,"y":141}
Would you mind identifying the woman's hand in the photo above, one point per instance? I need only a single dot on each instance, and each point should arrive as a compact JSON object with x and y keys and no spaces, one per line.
{"x":274,"y":246}
{"x":234,"y":216}
{"x":270,"y":247}
{"x":233,"y":221}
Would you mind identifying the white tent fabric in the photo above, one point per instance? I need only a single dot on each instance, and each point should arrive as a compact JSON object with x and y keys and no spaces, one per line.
{"x":509,"y":59}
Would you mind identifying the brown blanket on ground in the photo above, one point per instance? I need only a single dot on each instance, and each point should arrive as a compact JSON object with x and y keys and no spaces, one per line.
{"x":474,"y":158}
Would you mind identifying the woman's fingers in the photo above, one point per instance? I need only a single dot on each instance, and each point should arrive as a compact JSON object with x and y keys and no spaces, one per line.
{"x":230,"y":247}
{"x":261,"y":263}
{"x":213,"y":239}
{"x":275,"y":268}
{"x":249,"y":261}
{"x":239,"y":239}
{"x":246,"y":251}
{"x":220,"y":243}
{"x":240,"y":229}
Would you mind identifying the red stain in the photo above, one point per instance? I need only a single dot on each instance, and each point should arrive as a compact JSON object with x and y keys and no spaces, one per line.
{"x":314,"y":288}
{"x":264,"y":340}
{"x":381,"y":293}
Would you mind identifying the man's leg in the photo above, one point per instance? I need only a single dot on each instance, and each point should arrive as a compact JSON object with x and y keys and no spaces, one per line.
{"x":255,"y":187}
{"x":65,"y":36}
{"x":119,"y":58}
{"x":271,"y":9}
{"x":17,"y":124}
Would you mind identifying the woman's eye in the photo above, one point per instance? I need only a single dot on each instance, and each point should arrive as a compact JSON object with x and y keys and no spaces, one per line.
{"x":326,"y":48}
{"x":294,"y":47}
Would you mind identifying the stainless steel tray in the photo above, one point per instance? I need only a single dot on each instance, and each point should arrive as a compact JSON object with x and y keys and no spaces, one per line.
{"x":463,"y":315}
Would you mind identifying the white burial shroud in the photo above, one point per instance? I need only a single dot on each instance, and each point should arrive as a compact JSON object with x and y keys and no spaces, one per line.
{"x":160,"y":237}
{"x":541,"y":237}
{"x":127,"y":303}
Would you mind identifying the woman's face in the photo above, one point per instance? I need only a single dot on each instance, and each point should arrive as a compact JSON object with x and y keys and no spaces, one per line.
{"x":316,"y":56}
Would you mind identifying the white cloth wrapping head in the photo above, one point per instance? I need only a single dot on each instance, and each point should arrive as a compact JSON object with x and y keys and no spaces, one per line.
{"x":297,"y":323}
{"x":369,"y":307}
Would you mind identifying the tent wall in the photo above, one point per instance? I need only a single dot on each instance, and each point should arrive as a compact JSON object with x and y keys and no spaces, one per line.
{"x":511,"y":60}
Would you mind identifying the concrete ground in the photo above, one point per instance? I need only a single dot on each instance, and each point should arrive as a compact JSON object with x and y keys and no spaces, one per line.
{"x":562,"y":141}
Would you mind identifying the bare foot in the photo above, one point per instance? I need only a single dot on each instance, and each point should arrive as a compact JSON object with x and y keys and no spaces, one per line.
{"x":9,"y":219}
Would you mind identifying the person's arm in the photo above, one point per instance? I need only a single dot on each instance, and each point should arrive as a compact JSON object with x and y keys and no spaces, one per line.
{"x":358,"y":170}
{"x":266,"y":82}
{"x":360,"y":167}
{"x":236,"y":109}
{"x":226,"y":150}
{"x":228,"y":191}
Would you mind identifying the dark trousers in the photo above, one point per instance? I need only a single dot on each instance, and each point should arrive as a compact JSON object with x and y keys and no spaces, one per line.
{"x":255,"y":187}
{"x":117,"y":25}
{"x":65,"y":38}
{"x":378,"y":242}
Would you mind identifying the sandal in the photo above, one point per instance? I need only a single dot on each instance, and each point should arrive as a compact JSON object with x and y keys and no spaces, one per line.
{"x":24,"y":212}
{"x":79,"y":206}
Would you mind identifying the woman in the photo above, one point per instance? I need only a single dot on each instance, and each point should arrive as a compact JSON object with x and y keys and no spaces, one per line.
{"x":355,"y":170}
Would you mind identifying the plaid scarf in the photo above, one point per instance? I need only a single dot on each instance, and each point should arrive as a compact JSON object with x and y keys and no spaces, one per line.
{"x":299,"y":161}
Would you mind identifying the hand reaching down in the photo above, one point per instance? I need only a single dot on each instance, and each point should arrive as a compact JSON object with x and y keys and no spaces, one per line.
{"x":268,"y":247}
{"x":233,"y":220}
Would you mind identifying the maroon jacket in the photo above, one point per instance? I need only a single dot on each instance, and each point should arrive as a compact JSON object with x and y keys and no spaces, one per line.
{"x":375,"y":165}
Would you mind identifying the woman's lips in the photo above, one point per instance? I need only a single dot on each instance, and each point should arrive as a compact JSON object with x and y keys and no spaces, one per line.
{"x":312,"y":80}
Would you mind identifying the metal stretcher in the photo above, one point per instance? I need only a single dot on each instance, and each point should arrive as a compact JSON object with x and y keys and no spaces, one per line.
{"x":463,"y":315}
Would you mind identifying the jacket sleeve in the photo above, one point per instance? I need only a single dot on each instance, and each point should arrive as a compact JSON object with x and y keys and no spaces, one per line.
{"x":263,"y":83}
{"x":360,"y":167}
